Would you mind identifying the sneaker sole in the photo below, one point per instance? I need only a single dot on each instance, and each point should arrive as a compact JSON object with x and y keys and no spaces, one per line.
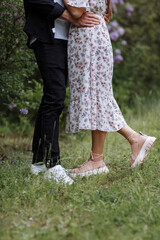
{"x":89,"y":173}
{"x":144,"y":151}
{"x":37,"y":171}
{"x":58,"y":175}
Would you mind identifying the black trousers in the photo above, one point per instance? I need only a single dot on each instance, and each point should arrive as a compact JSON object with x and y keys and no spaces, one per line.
{"x":52,"y":62}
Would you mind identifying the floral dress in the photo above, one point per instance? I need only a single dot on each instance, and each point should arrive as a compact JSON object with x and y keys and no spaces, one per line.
{"x":90,"y":68}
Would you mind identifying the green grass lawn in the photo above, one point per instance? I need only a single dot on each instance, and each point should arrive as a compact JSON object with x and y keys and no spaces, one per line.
{"x":122,"y":205}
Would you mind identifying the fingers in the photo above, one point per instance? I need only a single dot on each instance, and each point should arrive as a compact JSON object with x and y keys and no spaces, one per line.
{"x":106,"y":19}
{"x":91,"y":15}
{"x":106,"y":15}
{"x":93,"y":23}
{"x":88,"y":23}
{"x":91,"y":20}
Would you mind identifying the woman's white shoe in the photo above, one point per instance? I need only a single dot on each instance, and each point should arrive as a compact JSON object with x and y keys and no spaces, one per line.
{"x":89,"y":173}
{"x":144,"y":150}
{"x":90,"y":167}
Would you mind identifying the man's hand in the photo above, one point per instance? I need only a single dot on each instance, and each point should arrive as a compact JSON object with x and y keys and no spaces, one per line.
{"x":88,"y":19}
{"x":106,"y":18}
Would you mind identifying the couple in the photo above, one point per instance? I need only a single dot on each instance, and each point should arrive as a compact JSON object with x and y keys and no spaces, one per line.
{"x":90,"y":68}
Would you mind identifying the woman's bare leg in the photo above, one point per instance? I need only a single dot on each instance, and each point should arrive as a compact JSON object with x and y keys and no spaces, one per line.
{"x":95,"y":161}
{"x":96,"y":158}
{"x":135,"y":139}
{"x":98,"y":139}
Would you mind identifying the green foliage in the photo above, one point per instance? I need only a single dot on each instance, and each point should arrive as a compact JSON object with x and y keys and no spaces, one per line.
{"x":17,"y":63}
{"x":29,"y":99}
{"x":139,"y":74}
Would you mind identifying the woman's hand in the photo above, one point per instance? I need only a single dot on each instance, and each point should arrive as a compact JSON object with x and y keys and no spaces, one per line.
{"x":106,"y":18}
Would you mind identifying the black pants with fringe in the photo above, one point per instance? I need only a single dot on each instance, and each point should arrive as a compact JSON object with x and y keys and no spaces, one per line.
{"x":52,"y":63}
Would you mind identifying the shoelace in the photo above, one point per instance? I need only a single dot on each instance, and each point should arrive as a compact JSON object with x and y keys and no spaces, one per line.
{"x":97,"y":154}
{"x":130,"y":136}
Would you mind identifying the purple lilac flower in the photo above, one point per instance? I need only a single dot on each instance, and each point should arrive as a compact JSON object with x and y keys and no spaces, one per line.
{"x":118,"y":52}
{"x":121,"y":31}
{"x":129,"y":8}
{"x":128,"y":14}
{"x":114,"y":36}
{"x":124,"y":42}
{"x":114,"y":24}
{"x":121,"y":2}
{"x":109,"y":27}
{"x":12,"y":105}
{"x":118,"y":59}
{"x":114,"y":8}
{"x":114,"y":1}
{"x":24,"y":111}
{"x":12,"y":7}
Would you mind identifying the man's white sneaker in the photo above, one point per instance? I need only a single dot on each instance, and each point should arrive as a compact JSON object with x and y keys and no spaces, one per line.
{"x":58,"y":174}
{"x":38,"y":168}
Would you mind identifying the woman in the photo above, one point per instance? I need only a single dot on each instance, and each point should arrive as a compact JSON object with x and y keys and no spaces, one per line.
{"x":92,"y":104}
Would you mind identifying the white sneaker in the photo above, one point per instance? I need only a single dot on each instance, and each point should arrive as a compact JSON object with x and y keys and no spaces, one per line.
{"x":38,"y":168}
{"x":58,"y":173}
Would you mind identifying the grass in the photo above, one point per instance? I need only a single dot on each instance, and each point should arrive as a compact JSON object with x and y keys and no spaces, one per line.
{"x":123,"y":205}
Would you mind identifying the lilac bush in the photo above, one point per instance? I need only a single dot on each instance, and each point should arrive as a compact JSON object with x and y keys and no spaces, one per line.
{"x":129,"y":9}
{"x":118,"y":58}
{"x":23,"y":111}
{"x":116,"y":31}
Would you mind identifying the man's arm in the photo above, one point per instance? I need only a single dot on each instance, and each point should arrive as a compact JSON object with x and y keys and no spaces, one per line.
{"x":47,"y":8}
{"x":88,"y":19}
{"x":83,"y":18}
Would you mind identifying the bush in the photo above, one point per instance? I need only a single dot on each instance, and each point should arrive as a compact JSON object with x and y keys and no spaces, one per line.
{"x":138,"y":75}
{"x":17,"y":63}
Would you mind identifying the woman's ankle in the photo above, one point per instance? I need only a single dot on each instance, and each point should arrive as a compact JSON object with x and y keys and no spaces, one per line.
{"x":133,"y":138}
{"x":96,"y":157}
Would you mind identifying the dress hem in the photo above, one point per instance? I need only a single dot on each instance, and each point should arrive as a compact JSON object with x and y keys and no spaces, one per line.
{"x":87,"y":129}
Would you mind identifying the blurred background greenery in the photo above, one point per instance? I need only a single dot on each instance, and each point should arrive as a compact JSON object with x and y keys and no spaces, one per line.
{"x":136,"y":77}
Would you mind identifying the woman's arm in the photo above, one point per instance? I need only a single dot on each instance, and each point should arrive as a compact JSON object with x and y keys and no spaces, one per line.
{"x":76,"y":12}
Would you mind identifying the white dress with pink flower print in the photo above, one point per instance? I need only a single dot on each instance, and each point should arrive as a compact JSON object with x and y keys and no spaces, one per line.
{"x":90,"y":66}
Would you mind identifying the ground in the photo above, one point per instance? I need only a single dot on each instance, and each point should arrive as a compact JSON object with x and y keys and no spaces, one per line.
{"x":122,"y":205}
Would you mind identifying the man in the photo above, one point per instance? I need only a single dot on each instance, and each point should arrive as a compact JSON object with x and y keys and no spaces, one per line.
{"x":47,"y":25}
